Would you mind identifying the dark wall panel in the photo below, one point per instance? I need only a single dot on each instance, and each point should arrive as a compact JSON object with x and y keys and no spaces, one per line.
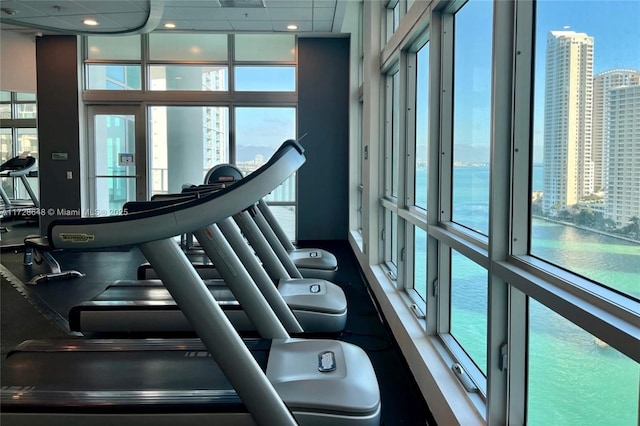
{"x":323,"y":113}
{"x":58,"y":131}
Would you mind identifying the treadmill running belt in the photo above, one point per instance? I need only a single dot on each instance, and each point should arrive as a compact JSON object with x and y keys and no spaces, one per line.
{"x":123,"y":376}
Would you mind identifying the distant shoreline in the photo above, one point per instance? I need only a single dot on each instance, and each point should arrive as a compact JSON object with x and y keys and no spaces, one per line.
{"x":584,"y":228}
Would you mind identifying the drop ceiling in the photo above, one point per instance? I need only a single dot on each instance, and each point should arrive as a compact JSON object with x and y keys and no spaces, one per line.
{"x":140,"y":16}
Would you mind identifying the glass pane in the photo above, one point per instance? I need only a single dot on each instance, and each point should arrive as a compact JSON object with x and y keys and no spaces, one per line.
{"x":5,"y":96}
{"x":391,"y":239}
{"x":420,"y":262}
{"x":114,"y":134}
{"x":472,"y":115}
{"x":396,"y":16}
{"x":394,"y":239}
{"x":5,"y":111}
{"x":118,"y":48}
{"x":359,"y":212}
{"x":27,"y":143}
{"x":469,"y":301}
{"x":188,"y":47}
{"x":26,"y":110}
{"x":259,"y":132}
{"x":114,"y":77}
{"x":6,"y":145}
{"x":265,"y":47}
{"x":575,"y":378}
{"x":114,"y":143}
{"x":586,"y":203}
{"x":285,"y":192}
{"x":186,"y":142}
{"x":265,"y":79}
{"x":422,"y":126}
{"x":395,"y":135}
{"x":25,"y":97}
{"x":6,"y":153}
{"x":286,"y":216}
{"x":188,"y":77}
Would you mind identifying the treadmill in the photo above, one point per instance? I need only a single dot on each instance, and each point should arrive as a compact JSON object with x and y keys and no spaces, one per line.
{"x":220,"y":378}
{"x":310,"y":262}
{"x":19,"y":167}
{"x":299,"y":262}
{"x":144,"y":306}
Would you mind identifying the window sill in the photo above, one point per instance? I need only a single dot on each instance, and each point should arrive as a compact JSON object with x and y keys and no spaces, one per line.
{"x":429,"y":363}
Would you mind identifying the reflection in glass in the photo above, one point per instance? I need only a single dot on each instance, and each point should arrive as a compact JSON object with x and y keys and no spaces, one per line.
{"x":472,"y":115}
{"x":575,"y":378}
{"x":469,"y":304}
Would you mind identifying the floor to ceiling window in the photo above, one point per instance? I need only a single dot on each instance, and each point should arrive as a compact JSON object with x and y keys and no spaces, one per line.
{"x":517,"y":206}
{"x":207,"y":98}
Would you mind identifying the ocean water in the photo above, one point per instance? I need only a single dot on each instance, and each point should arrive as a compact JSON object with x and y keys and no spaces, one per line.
{"x":573,"y":377}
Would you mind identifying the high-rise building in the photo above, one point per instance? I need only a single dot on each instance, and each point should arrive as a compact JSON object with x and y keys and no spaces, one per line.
{"x":622,"y":137}
{"x":602,"y":84}
{"x":568,"y":168}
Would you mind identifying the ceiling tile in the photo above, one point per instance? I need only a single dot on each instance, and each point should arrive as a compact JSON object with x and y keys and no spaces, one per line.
{"x":292,"y":14}
{"x":114,"y":6}
{"x":323,"y":14}
{"x":195,"y":13}
{"x":252,"y":25}
{"x":246,"y":14}
{"x":288,"y":3}
{"x":323,"y":26}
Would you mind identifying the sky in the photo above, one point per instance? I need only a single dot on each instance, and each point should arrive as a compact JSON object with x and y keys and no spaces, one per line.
{"x":615,"y":26}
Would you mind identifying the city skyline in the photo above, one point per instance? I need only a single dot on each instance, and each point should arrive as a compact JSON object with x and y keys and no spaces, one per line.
{"x":590,"y":141}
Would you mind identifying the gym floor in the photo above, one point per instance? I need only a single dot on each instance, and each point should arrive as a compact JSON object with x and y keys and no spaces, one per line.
{"x":40,"y":311}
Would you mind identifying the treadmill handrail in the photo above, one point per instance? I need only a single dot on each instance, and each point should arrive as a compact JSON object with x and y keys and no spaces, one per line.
{"x":180,"y":218}
{"x":17,"y":166}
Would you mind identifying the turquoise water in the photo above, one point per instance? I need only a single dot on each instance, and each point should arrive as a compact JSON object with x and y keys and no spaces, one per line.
{"x":573,"y":378}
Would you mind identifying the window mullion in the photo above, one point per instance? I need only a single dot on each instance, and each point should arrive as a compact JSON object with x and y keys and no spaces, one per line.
{"x":499,"y":213}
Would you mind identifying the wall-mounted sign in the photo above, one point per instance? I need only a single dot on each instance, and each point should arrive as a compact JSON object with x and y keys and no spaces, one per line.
{"x":125,"y":159}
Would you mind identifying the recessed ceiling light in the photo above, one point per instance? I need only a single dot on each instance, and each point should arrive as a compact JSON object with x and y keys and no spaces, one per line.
{"x":292,"y":27}
{"x":91,"y":22}
{"x":169,"y":25}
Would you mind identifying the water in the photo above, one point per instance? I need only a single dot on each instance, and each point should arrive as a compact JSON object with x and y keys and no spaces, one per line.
{"x":573,"y":378}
